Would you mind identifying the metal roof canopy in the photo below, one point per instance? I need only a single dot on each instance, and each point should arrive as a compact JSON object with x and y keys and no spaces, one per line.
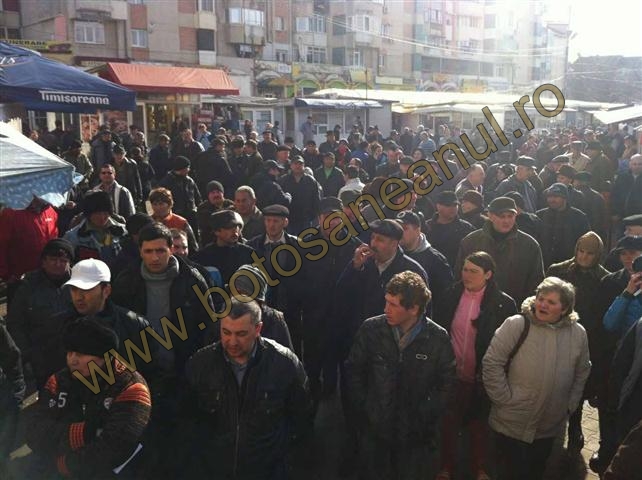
{"x":618,"y":115}
{"x":336,"y":104}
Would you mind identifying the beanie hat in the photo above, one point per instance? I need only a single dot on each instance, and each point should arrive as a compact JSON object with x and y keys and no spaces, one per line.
{"x":89,"y":335}
{"x":215,"y":186}
{"x":58,"y":247}
{"x":244,"y":283}
{"x":98,"y":201}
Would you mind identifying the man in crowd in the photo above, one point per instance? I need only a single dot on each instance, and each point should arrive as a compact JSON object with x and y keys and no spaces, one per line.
{"x":329,"y":176}
{"x":626,"y":199}
{"x":127,"y":174}
{"x":599,"y":166}
{"x":267,"y":147}
{"x":520,"y":267}
{"x":186,"y":146}
{"x":399,"y":409}
{"x":245,"y":206}
{"x":566,"y":175}
{"x":577,"y":159}
{"x":519,"y":182}
{"x":98,"y":235}
{"x":76,"y":433}
{"x":159,"y":158}
{"x":305,"y":192}
{"x":330,"y":145}
{"x":211,"y":164}
{"x":265,"y":184}
{"x":416,"y":246}
{"x":37,"y":313}
{"x":445,"y":229}
{"x":120,"y":195}
{"x":474,"y":181}
{"x":248,"y":372}
{"x":81,"y":163}
{"x":594,"y":204}
{"x":562,"y":225}
{"x":185,"y":193}
{"x":214,"y":202}
{"x":101,"y":150}
{"x":311,"y":155}
{"x":226,"y":253}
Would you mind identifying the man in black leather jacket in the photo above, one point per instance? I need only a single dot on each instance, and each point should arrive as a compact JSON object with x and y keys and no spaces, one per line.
{"x":400,"y":371}
{"x":246,"y":396}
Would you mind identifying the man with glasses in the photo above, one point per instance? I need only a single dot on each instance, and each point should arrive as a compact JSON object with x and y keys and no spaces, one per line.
{"x":120,"y":196}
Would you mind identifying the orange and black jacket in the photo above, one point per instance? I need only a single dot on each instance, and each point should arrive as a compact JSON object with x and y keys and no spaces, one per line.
{"x":87,"y":435}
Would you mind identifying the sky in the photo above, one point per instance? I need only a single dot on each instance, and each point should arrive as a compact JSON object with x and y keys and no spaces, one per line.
{"x":611,"y":27}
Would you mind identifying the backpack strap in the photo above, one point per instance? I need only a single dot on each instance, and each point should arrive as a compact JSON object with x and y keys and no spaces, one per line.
{"x":520,"y":342}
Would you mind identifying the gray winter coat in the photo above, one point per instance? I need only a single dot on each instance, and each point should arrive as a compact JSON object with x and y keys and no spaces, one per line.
{"x":545,"y":379}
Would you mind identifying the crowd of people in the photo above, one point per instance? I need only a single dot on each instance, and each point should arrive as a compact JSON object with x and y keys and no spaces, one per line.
{"x":252,"y":280}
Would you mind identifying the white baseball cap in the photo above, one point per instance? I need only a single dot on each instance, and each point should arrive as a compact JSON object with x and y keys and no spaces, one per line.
{"x":86,"y":274}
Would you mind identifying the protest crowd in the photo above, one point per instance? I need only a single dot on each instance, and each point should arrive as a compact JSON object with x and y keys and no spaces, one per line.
{"x":253,"y":279}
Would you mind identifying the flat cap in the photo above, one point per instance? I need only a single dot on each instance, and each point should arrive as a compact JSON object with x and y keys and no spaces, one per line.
{"x":557,"y":190}
{"x":387,"y":228}
{"x":298,"y":159}
{"x":225,"y":219}
{"x":408,"y":217}
{"x":633,"y":220}
{"x":330,"y":204}
{"x":447,"y":197}
{"x":501,"y":205}
{"x":349,"y":196}
{"x":561,"y":159}
{"x":270,"y":164}
{"x":525,"y":161}
{"x":180,"y":162}
{"x":629,"y":243}
{"x":276,"y":211}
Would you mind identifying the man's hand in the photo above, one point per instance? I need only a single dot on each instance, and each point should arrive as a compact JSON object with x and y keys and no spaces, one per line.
{"x":635,"y":283}
{"x":361,"y":255}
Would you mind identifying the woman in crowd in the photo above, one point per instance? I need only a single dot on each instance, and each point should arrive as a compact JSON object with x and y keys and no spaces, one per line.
{"x":471,"y":311}
{"x":584,"y":272}
{"x":534,"y":372}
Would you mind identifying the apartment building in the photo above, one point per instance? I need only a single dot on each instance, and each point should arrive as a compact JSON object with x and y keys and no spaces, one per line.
{"x":284,"y":48}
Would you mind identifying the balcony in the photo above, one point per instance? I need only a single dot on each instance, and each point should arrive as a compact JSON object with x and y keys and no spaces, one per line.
{"x":246,"y":34}
{"x":363,"y":39}
{"x":91,"y":10}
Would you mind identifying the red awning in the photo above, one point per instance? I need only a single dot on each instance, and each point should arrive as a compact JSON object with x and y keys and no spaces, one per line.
{"x":167,"y":79}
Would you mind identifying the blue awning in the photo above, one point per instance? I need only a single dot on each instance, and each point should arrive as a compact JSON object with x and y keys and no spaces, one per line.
{"x":42,"y":84}
{"x":335,"y":104}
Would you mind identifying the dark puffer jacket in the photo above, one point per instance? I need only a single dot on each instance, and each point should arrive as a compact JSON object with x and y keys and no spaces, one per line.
{"x":36,"y":317}
{"x":242,"y":433}
{"x":400,"y":395}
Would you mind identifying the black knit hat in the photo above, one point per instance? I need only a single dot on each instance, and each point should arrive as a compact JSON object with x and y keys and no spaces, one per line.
{"x":215,"y":186}
{"x":89,"y":335}
{"x":97,"y":202}
{"x":57,"y":248}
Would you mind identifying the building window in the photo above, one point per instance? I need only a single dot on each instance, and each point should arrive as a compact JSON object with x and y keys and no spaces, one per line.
{"x":136,"y":2}
{"x":315,"y":55}
{"x":315,"y":23}
{"x":357,"y":59}
{"x":206,"y":39}
{"x":246,"y":16}
{"x":89,"y":32}
{"x":139,"y":38}
{"x":339,"y":23}
{"x":382,"y":61}
{"x":489,"y":21}
{"x":206,"y":5}
{"x":364,"y":23}
{"x":10,"y":33}
{"x":279,"y":24}
{"x":281,"y":56}
{"x":433,"y":16}
{"x":500,"y":71}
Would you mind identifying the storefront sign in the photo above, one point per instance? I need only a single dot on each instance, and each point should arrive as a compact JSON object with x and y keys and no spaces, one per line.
{"x":46,"y":46}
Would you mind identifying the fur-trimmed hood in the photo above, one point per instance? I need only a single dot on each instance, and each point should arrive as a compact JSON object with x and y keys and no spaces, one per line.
{"x":528,"y":310}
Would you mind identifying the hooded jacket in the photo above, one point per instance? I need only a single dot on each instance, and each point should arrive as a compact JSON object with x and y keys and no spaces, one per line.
{"x":546,"y":377}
